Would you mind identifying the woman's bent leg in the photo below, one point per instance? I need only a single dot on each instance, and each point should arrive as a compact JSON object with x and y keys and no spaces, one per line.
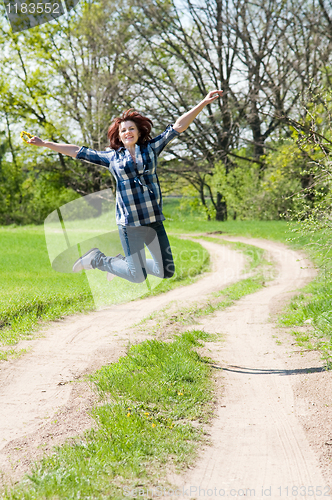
{"x":161,"y":264}
{"x":133,"y":266}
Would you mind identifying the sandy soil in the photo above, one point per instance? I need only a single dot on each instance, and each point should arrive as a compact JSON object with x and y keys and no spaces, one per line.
{"x":273,"y":418}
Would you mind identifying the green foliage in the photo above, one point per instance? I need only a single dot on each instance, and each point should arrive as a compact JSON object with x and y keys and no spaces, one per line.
{"x":61,"y":81}
{"x":42,"y":196}
{"x":278,"y":184}
{"x":36,"y":198}
{"x":253,"y":193}
{"x":238,"y":187}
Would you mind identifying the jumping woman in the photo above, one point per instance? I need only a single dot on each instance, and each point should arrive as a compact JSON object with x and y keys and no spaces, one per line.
{"x":132,"y":160}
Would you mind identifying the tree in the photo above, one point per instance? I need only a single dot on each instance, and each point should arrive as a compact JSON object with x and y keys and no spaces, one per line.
{"x":261,"y":54}
{"x":67,"y":81}
{"x":64,"y":81}
{"x":177,"y":66}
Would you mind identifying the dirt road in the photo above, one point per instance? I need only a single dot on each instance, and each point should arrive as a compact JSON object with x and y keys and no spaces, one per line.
{"x":259,"y":447}
{"x":259,"y":439}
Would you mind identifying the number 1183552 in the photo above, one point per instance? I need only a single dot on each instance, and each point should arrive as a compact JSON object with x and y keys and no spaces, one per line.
{"x":33,"y":8}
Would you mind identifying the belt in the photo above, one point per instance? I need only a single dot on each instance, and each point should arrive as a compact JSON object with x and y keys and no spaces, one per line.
{"x":140,"y":180}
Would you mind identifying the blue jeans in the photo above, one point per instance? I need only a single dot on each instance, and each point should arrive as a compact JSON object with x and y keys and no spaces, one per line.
{"x":135,"y":267}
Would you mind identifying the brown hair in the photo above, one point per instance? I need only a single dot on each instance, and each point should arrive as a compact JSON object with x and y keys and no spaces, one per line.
{"x":143,"y":124}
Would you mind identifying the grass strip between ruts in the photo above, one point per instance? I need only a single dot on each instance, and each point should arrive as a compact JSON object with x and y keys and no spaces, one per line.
{"x":162,"y":321}
{"x":226,"y":297}
{"x":254,"y":255}
{"x":217,"y":301}
{"x":152,"y":397}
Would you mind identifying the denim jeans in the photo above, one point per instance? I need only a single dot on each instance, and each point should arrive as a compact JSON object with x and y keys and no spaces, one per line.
{"x":135,"y":267}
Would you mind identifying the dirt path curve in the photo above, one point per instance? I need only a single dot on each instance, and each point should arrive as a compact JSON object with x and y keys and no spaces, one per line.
{"x":259,"y":448}
{"x":36,"y":387}
{"x":257,"y":440}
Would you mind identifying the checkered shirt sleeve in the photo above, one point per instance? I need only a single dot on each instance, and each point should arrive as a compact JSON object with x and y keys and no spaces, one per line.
{"x":159,"y":142}
{"x":102,"y":158}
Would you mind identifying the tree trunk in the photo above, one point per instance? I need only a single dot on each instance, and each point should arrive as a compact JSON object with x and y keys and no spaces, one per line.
{"x":221,"y":208}
{"x":201,"y":193}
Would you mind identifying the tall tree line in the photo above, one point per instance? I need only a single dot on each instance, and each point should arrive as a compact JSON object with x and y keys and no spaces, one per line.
{"x":67,"y":80}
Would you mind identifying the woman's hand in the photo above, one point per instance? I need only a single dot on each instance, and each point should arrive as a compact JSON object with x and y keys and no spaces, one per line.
{"x":36,"y":141}
{"x":212,"y":96}
{"x":185,"y":120}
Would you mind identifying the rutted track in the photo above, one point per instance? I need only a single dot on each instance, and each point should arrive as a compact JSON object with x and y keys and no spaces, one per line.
{"x":257,"y":440}
{"x":259,"y":448}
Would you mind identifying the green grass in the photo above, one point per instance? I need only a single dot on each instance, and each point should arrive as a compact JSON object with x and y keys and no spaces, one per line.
{"x":222,"y":299}
{"x":151,"y":399}
{"x":30,"y":289}
{"x":32,"y":292}
{"x":219,"y":300}
{"x":312,"y":307}
{"x":162,"y":322}
{"x":185,"y":221}
{"x":303,"y":339}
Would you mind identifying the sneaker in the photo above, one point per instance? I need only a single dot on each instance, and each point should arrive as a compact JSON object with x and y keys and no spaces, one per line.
{"x":84,"y":262}
{"x":111,"y":276}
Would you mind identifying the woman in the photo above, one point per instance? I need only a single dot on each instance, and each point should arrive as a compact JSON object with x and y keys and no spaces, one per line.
{"x":132,"y":160}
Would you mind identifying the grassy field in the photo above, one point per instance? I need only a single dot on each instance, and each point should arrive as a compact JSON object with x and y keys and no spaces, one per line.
{"x":154,"y":404}
{"x":32,"y":292}
{"x":156,"y":398}
{"x":186,"y":220}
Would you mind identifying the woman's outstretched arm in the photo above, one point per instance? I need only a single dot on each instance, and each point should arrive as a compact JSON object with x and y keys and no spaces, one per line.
{"x":65,"y":149}
{"x":186,"y":119}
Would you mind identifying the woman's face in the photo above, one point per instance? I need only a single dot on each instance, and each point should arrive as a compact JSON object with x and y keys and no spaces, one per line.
{"x":128,"y":133}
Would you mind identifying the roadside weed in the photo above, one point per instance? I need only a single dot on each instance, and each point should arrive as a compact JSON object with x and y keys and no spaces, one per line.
{"x":312,"y":309}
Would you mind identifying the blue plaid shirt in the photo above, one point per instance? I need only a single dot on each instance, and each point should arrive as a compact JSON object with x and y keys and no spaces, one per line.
{"x":138,"y":195}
